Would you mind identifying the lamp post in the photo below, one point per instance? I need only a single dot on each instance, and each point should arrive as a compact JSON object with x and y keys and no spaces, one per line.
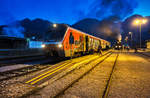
{"x":140,"y":22}
{"x":130,"y":33}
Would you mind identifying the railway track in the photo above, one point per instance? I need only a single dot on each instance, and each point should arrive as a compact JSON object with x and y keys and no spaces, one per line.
{"x":81,"y":76}
{"x":88,"y":71}
{"x":79,"y":67}
{"x":22,"y":59}
{"x":145,"y":56}
{"x":20,"y":72}
{"x":29,"y":69}
{"x":29,"y":81}
{"x":75,"y":64}
{"x":106,"y":91}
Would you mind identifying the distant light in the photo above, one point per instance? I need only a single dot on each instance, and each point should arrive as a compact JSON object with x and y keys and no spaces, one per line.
{"x":54,"y":25}
{"x":130,"y":33}
{"x":43,"y":45}
{"x":140,"y":21}
{"x":59,"y":45}
{"x":144,"y":21}
{"x":137,"y":21}
{"x":119,"y":37}
{"x":126,"y":38}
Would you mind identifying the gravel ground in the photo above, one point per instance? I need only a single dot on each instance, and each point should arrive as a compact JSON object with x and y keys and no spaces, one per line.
{"x":131,"y":78}
{"x":54,"y":88}
{"x":14,"y":87}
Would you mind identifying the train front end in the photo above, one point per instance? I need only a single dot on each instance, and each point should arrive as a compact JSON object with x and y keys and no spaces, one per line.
{"x":53,"y":41}
{"x":53,"y":49}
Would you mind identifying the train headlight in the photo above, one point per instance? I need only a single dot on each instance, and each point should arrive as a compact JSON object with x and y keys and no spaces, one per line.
{"x":59,"y":45}
{"x":43,"y":45}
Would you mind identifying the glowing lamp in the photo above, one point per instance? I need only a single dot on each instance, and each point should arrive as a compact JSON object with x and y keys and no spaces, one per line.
{"x":59,"y":45}
{"x":144,"y":21}
{"x":54,"y":25}
{"x":43,"y":45}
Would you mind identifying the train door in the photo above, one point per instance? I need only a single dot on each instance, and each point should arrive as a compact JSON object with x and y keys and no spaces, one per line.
{"x":87,"y":43}
{"x":100,"y":43}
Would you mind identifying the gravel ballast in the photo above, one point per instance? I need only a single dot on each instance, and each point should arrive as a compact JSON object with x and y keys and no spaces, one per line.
{"x":16,"y":87}
{"x":130,"y":79}
{"x":54,"y":88}
{"x":94,"y":83}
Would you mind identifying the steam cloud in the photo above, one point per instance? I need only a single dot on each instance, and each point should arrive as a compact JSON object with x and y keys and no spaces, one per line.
{"x":14,"y":30}
{"x":111,"y":12}
{"x":106,"y":8}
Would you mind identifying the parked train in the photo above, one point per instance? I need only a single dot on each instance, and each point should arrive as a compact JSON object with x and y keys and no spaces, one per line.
{"x":65,"y":41}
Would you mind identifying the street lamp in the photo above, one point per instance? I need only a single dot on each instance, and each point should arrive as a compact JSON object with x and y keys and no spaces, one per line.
{"x":140,"y":22}
{"x":130,"y":33}
{"x":54,"y":25}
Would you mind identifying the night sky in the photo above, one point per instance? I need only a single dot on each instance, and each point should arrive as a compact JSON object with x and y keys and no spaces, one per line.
{"x":70,"y":11}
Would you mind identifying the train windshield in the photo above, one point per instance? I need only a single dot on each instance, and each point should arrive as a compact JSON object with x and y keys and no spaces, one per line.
{"x":56,"y":34}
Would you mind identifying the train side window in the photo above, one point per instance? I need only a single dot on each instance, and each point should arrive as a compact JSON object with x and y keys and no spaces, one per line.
{"x":71,"y":38}
{"x":81,"y":38}
{"x":76,"y":42}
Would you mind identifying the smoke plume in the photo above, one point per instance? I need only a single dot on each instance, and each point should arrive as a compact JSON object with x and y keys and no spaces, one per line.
{"x":105,"y":8}
{"x":14,"y":30}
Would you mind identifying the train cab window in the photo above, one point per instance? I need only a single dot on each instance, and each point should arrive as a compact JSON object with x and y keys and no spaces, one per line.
{"x":56,"y":34}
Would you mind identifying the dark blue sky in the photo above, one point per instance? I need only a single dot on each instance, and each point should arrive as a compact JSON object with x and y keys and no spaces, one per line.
{"x":69,"y":11}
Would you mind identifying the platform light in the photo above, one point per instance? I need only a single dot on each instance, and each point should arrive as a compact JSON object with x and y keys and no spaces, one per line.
{"x":140,"y":22}
{"x":59,"y":45}
{"x":137,"y":21}
{"x":144,"y":21}
{"x":54,"y":25}
{"x":43,"y":45}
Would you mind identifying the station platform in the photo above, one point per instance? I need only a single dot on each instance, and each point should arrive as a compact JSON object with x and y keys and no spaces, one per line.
{"x":14,"y":67}
{"x":16,"y":53}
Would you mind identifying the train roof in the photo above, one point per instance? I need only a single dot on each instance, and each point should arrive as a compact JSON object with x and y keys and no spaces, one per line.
{"x":62,"y":30}
{"x":86,"y":33}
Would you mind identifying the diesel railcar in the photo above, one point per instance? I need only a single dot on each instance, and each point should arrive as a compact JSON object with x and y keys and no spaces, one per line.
{"x":65,"y":41}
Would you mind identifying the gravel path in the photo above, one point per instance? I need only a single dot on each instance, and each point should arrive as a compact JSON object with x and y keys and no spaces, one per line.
{"x":131,"y":78}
